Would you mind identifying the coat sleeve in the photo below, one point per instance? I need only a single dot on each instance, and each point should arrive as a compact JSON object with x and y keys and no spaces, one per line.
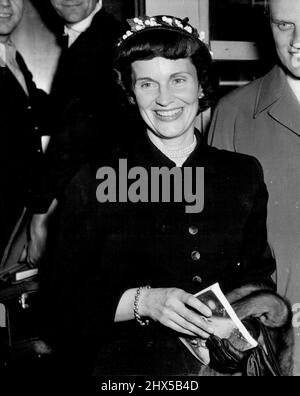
{"x":257,"y":260}
{"x":222,"y":129}
{"x":80,"y":293}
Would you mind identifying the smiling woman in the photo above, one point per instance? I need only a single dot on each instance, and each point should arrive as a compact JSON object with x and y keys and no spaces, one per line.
{"x":134,"y":242}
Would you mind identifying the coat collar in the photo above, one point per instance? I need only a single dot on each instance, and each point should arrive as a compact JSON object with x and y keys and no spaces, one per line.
{"x":26,"y":73}
{"x":270,"y":89}
{"x":145,"y":153}
{"x":277,"y":98}
{"x":14,"y":84}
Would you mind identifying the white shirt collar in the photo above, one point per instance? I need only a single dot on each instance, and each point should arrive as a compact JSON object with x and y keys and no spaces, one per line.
{"x":178,"y":155}
{"x":83,"y":25}
{"x":295,"y":86}
{"x":3,"y":52}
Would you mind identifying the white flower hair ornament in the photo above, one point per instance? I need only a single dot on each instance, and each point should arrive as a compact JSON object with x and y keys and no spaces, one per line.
{"x":160,"y":21}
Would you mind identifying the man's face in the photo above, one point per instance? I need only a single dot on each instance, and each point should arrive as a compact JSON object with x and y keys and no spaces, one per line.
{"x":11,"y":12}
{"x":285,"y":24}
{"x":73,"y":11}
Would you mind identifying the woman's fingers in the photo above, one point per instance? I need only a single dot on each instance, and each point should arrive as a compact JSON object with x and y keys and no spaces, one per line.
{"x":189,"y":327}
{"x":196,"y":323}
{"x":197,"y":317}
{"x":172,"y":307}
{"x":179,"y":329}
{"x":177,"y":310}
{"x":198,"y":305}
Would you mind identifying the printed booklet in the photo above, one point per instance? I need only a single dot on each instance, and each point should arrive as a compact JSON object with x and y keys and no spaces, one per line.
{"x":225,"y":322}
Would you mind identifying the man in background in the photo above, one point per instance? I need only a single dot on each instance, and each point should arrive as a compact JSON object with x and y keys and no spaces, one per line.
{"x":85,"y":101}
{"x":263,"y":119}
{"x":21,"y":110}
{"x":83,"y":87}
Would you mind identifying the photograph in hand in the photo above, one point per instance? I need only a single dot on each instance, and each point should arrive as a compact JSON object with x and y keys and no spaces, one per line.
{"x":225,"y":322}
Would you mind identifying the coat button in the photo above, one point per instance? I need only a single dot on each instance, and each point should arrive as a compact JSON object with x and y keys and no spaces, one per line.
{"x":193,"y":230}
{"x":195,"y":255}
{"x":150,"y":344}
{"x":197,"y":279}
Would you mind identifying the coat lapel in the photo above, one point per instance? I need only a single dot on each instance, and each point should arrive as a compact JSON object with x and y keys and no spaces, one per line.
{"x":277,"y":98}
{"x":270,"y":90}
{"x":15,"y":89}
{"x":287,"y":110}
{"x":26,"y":73}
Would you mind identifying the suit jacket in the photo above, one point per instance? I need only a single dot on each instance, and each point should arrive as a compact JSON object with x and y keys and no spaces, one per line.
{"x":85,"y":100}
{"x":21,"y":154}
{"x":108,"y":248}
{"x":263,"y":119}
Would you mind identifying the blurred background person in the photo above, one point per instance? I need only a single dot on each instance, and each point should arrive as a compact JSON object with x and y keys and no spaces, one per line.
{"x":84,"y":102}
{"x":262,"y":119}
{"x":22,"y":110}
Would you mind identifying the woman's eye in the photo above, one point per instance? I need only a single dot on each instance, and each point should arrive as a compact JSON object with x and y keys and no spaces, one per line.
{"x":148,"y":85}
{"x":284,"y":26}
{"x":178,"y":81}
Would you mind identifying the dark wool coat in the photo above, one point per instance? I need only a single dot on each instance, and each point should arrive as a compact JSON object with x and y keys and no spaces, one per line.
{"x":263,"y":119}
{"x":104,"y":249}
{"x":20,"y":148}
{"x":84,"y":96}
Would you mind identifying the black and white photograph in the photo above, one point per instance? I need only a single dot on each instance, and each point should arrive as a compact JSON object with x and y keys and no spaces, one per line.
{"x":150,"y":153}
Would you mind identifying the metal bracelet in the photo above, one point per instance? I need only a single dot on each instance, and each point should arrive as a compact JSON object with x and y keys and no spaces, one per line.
{"x":137,"y":316}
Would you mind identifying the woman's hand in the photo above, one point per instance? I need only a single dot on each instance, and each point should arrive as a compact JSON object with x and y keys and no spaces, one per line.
{"x":177,"y":310}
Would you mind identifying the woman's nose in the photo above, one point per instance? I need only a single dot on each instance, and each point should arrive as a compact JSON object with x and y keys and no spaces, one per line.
{"x":164,"y":97}
{"x":4,"y":3}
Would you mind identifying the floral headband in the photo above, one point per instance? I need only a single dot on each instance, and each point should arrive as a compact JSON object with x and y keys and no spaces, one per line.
{"x":160,"y":21}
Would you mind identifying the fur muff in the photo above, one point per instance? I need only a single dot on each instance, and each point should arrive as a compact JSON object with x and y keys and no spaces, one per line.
{"x":274,"y":312}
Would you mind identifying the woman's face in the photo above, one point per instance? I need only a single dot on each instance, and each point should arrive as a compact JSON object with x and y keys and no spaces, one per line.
{"x":167,"y":93}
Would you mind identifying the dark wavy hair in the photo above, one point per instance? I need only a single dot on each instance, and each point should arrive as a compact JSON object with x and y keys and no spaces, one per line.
{"x":170,"y":44}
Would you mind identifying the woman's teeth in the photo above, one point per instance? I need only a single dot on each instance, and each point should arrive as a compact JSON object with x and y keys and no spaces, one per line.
{"x":168,"y":113}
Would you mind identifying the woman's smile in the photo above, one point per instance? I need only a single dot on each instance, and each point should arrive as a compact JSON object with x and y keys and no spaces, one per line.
{"x":168,"y":115}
